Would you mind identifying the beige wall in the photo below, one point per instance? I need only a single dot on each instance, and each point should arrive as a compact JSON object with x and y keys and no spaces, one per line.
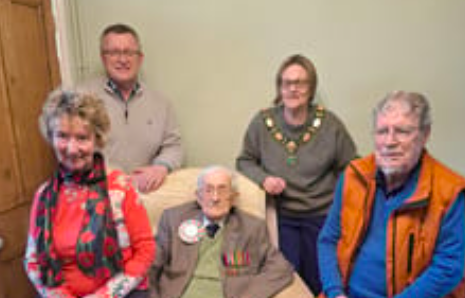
{"x":216,"y":60}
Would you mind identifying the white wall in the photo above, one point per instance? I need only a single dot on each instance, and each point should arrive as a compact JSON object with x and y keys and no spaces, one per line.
{"x":216,"y":60}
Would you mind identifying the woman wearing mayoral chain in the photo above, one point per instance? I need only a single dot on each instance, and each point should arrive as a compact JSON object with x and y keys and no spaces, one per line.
{"x":295,"y":151}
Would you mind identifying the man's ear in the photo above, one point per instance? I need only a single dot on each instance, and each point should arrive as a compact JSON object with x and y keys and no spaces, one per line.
{"x":234,"y":196}
{"x":426,"y":134}
{"x":198,"y":196}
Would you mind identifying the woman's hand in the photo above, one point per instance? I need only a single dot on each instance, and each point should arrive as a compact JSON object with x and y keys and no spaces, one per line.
{"x":274,"y":185}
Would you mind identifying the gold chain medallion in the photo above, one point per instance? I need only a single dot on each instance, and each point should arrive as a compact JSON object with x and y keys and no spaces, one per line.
{"x":291,"y":146}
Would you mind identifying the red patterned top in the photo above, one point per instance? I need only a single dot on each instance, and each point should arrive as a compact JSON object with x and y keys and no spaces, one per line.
{"x":135,"y":239}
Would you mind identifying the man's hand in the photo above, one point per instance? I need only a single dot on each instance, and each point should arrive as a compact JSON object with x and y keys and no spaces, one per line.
{"x":274,"y":185}
{"x":149,"y":178}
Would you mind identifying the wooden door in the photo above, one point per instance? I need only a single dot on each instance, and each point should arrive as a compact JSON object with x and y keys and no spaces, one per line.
{"x":28,"y":71}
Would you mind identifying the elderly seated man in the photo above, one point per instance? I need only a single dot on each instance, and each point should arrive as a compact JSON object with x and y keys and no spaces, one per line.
{"x":208,"y":248}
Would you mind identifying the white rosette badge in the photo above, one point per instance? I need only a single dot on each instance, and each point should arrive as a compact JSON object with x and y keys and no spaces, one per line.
{"x":191,"y":231}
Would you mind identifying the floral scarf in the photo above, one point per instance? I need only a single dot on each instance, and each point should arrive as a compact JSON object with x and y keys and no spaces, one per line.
{"x":97,"y":250}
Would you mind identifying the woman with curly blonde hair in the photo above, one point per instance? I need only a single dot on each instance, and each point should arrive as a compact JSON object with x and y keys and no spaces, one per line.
{"x":89,"y":233}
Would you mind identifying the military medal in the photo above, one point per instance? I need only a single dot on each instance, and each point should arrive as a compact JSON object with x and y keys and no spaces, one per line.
{"x":234,"y":260}
{"x":291,"y":146}
{"x":191,"y":231}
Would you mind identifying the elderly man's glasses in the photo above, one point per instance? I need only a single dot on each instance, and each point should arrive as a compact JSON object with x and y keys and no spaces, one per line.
{"x":121,"y":53}
{"x":219,"y":191}
{"x":400,"y":133}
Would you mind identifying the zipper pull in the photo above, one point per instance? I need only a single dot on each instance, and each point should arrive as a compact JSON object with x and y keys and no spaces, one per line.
{"x":126,"y":112}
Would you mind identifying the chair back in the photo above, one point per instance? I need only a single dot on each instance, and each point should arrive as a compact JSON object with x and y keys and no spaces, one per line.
{"x":180,"y":186}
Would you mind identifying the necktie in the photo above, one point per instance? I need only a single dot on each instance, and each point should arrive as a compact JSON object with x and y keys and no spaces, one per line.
{"x":212,"y":228}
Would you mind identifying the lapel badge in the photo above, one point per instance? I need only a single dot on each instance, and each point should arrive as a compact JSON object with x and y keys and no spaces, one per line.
{"x":191,"y":231}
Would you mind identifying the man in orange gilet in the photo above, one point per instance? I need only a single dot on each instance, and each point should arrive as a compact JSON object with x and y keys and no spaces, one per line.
{"x":397,"y":225}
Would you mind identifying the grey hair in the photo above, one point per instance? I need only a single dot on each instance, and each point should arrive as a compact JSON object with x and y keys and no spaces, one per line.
{"x":65,"y":102}
{"x":217,"y":168}
{"x":415,"y":103}
{"x":120,"y":28}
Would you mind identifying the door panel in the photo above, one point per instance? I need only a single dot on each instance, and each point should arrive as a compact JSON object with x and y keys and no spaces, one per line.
{"x":9,"y":180}
{"x":28,"y":71}
{"x":13,"y":280}
{"x":14,"y":235}
{"x":24,"y":66}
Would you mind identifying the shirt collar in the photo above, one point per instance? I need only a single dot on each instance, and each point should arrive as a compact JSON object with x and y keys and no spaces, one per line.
{"x":206,"y":221}
{"x":114,"y":88}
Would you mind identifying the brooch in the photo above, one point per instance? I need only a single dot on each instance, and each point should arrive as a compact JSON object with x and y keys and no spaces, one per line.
{"x":191,"y":231}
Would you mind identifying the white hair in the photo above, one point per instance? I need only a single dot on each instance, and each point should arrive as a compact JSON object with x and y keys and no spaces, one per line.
{"x":217,"y":168}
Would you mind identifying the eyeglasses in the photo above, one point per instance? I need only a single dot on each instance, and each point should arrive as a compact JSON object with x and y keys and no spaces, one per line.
{"x":401,"y":133}
{"x":121,"y":53}
{"x":219,"y":191}
{"x":299,"y":84}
